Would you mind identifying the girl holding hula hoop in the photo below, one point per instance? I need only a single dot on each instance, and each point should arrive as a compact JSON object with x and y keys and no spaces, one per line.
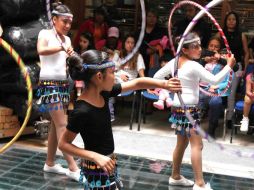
{"x":54,"y":47}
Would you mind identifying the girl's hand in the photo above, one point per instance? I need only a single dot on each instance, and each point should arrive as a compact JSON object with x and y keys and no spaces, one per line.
{"x":106,"y":163}
{"x":231,"y":61}
{"x":174,"y":85}
{"x":70,"y":51}
{"x":124,"y":77}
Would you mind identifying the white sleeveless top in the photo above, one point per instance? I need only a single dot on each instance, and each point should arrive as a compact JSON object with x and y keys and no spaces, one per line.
{"x":53,"y":67}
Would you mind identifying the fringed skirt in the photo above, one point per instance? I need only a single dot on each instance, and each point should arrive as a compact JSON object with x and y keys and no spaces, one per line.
{"x":52,"y":92}
{"x":180,"y":122}
{"x":97,"y":178}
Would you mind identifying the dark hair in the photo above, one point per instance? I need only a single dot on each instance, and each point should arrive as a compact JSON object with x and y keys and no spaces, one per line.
{"x":215,"y":38}
{"x":153,"y":11}
{"x":89,"y":37}
{"x":61,"y":8}
{"x":133,"y":61}
{"x":101,"y":10}
{"x":90,"y":57}
{"x":237,"y":27}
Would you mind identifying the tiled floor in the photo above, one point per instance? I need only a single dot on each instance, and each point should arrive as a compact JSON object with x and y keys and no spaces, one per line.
{"x":21,"y":169}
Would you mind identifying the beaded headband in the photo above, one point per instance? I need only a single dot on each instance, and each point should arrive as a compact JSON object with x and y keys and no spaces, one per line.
{"x":197,"y":39}
{"x":103,"y":65}
{"x":54,"y":12}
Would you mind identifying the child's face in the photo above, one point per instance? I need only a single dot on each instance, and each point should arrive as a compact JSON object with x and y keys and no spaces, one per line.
{"x":194,"y":50}
{"x":62,"y":24}
{"x":214,"y":45}
{"x":83,"y":43}
{"x":129,"y":44}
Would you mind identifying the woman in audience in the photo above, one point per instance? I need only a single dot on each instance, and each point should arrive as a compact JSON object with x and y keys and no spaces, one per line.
{"x":97,"y":26}
{"x":239,"y":47}
{"x":134,"y":67}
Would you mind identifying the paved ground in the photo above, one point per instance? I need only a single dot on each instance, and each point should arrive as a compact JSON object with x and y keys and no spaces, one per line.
{"x":144,"y":158}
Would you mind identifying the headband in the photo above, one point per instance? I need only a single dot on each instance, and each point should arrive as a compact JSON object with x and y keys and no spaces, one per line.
{"x":103,"y":65}
{"x":197,"y":39}
{"x":54,"y":12}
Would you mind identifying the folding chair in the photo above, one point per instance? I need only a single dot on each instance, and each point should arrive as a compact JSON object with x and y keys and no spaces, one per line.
{"x":238,"y":114}
{"x":126,"y":94}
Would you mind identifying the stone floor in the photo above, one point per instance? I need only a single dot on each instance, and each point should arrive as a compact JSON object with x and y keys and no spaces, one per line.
{"x":144,"y":159}
{"x":21,"y":169}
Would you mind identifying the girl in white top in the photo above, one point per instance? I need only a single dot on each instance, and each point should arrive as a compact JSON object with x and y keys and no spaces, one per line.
{"x":190,"y":74}
{"x":134,"y":67}
{"x":53,"y":86}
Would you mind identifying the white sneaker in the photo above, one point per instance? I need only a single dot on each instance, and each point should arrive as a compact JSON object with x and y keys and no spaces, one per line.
{"x":74,"y":175}
{"x":57,"y":168}
{"x":244,"y":124}
{"x":181,"y":182}
{"x":206,"y":187}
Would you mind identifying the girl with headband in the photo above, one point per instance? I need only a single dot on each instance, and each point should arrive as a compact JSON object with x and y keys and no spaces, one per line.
{"x":91,"y":116}
{"x":54,"y":47}
{"x":190,"y":74}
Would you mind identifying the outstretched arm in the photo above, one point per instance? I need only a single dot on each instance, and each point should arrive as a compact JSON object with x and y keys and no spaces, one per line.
{"x":172,"y":84}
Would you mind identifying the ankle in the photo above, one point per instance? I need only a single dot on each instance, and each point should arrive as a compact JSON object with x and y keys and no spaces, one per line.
{"x":176,"y":176}
{"x":200,"y":183}
{"x":50,"y":164}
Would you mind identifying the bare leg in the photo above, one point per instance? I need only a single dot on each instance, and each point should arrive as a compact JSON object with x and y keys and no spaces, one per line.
{"x":52,"y":145}
{"x":60,"y":122}
{"x":181,"y":145}
{"x":196,"y":157}
{"x":247,"y":106}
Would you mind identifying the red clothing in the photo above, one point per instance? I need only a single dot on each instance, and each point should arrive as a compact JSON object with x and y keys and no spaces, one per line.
{"x":89,"y":26}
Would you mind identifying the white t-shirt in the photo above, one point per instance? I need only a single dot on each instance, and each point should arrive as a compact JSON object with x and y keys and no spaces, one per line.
{"x":53,"y":67}
{"x":190,"y":74}
{"x":132,"y":74}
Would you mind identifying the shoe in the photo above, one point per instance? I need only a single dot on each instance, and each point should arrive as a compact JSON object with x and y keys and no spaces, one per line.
{"x":169,"y":102}
{"x":159,"y":105}
{"x":181,"y":182}
{"x":57,"y":168}
{"x":206,"y":187}
{"x":74,"y":175}
{"x":112,"y":119}
{"x":244,"y":124}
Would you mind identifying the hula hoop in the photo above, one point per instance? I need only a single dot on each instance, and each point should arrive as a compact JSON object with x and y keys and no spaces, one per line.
{"x":194,"y":21}
{"x":26,"y":76}
{"x":141,"y":35}
{"x":187,"y":113}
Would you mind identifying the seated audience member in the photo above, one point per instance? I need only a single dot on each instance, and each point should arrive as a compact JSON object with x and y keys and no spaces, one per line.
{"x":202,"y":28}
{"x":213,"y":104}
{"x":97,"y":26}
{"x":251,"y":50}
{"x":248,"y":101}
{"x":153,"y":31}
{"x":134,"y":67}
{"x":112,"y":44}
{"x":85,"y":43}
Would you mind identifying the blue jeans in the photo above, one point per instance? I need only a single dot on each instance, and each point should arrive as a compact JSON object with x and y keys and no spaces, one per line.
{"x":214,"y":107}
